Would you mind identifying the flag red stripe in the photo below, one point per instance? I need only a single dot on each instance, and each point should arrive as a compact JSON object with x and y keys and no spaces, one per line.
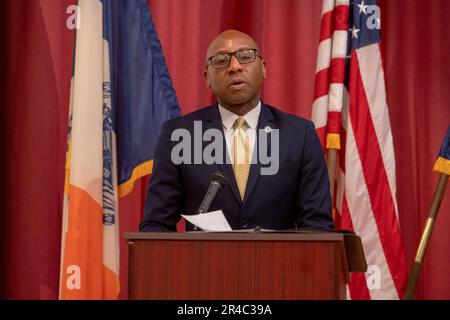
{"x":334,"y":122}
{"x":382,"y":201}
{"x":341,"y":17}
{"x":358,"y":284}
{"x":343,"y":134}
{"x":335,"y":74}
{"x":337,"y":70}
{"x":322,"y":83}
{"x":326,"y":26}
{"x":358,"y":287}
{"x":335,"y":20}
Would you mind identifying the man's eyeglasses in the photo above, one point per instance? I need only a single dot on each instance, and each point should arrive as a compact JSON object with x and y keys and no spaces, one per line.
{"x":222,"y":60}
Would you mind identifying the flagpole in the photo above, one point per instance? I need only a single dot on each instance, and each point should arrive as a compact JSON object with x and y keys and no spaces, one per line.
{"x":331,"y":165}
{"x":426,"y":235}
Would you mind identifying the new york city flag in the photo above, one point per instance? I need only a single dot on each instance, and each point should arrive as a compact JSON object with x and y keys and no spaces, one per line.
{"x":121,"y":93}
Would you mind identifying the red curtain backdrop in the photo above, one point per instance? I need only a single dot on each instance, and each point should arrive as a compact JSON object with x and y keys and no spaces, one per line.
{"x":36,"y":64}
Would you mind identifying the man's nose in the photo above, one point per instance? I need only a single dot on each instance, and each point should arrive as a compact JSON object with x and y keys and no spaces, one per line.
{"x":235,"y":65}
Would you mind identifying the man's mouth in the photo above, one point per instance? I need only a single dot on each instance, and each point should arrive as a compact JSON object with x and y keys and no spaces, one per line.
{"x":237,"y":84}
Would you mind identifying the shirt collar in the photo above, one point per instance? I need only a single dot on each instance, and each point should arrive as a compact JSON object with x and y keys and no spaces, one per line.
{"x":229,"y":118}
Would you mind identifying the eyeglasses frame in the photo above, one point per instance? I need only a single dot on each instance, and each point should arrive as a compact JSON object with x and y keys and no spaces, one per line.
{"x":231,"y":54}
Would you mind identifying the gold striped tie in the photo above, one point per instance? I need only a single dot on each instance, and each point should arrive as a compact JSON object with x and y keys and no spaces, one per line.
{"x":241,"y":154}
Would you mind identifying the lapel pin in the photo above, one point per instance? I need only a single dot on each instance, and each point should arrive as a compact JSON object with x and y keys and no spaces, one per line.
{"x":268,"y":129}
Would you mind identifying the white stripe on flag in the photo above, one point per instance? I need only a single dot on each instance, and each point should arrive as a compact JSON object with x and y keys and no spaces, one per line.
{"x":320,"y":112}
{"x":328,"y":5}
{"x":324,"y":55}
{"x":336,"y":97}
{"x":339,"y":44}
{"x":342,"y":2}
{"x":87,"y":157}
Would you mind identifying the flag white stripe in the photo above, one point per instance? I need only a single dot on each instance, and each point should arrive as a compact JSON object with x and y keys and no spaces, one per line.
{"x":87,"y":152}
{"x":335,"y":97}
{"x":339,"y":44}
{"x":331,"y":48}
{"x":328,"y":5}
{"x":320,"y":112}
{"x":324,"y":55}
{"x":342,"y":2}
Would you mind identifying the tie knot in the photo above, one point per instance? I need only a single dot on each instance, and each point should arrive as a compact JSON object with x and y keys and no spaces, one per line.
{"x":240,"y":123}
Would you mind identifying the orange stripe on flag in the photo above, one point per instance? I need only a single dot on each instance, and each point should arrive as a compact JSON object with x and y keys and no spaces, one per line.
{"x":84,"y":274}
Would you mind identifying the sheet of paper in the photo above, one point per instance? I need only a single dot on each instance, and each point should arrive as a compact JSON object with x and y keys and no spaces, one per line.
{"x":209,"y":221}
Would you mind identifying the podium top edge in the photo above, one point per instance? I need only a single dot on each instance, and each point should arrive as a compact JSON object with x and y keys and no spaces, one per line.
{"x":234,"y":236}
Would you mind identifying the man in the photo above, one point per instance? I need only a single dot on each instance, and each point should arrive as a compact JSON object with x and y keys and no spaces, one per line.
{"x":295,"y":195}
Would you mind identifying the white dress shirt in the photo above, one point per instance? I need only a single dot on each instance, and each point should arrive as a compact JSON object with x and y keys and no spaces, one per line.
{"x":228,"y":120}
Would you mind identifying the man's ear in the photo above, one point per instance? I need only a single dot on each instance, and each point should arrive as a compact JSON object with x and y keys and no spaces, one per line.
{"x":264,"y":69}
{"x":205,"y":75}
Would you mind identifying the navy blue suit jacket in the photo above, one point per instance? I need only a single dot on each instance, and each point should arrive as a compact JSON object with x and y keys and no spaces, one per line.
{"x":298,"y":196}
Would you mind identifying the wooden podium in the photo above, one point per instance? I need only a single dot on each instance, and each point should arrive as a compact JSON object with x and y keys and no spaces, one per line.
{"x":237,"y":266}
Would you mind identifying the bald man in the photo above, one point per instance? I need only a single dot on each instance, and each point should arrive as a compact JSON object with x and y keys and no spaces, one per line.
{"x":273,"y":161}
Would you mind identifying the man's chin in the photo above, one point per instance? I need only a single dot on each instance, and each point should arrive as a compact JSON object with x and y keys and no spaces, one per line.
{"x":238,"y":100}
{"x":235,"y":104}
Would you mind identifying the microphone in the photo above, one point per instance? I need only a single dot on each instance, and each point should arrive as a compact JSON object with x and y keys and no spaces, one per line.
{"x":217,"y":182}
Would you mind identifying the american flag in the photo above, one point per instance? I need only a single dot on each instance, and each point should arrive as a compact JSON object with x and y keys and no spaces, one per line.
{"x":351,"y":115}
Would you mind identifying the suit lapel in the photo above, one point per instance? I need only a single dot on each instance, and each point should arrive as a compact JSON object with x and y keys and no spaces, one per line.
{"x":265,"y":121}
{"x":213,"y":120}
